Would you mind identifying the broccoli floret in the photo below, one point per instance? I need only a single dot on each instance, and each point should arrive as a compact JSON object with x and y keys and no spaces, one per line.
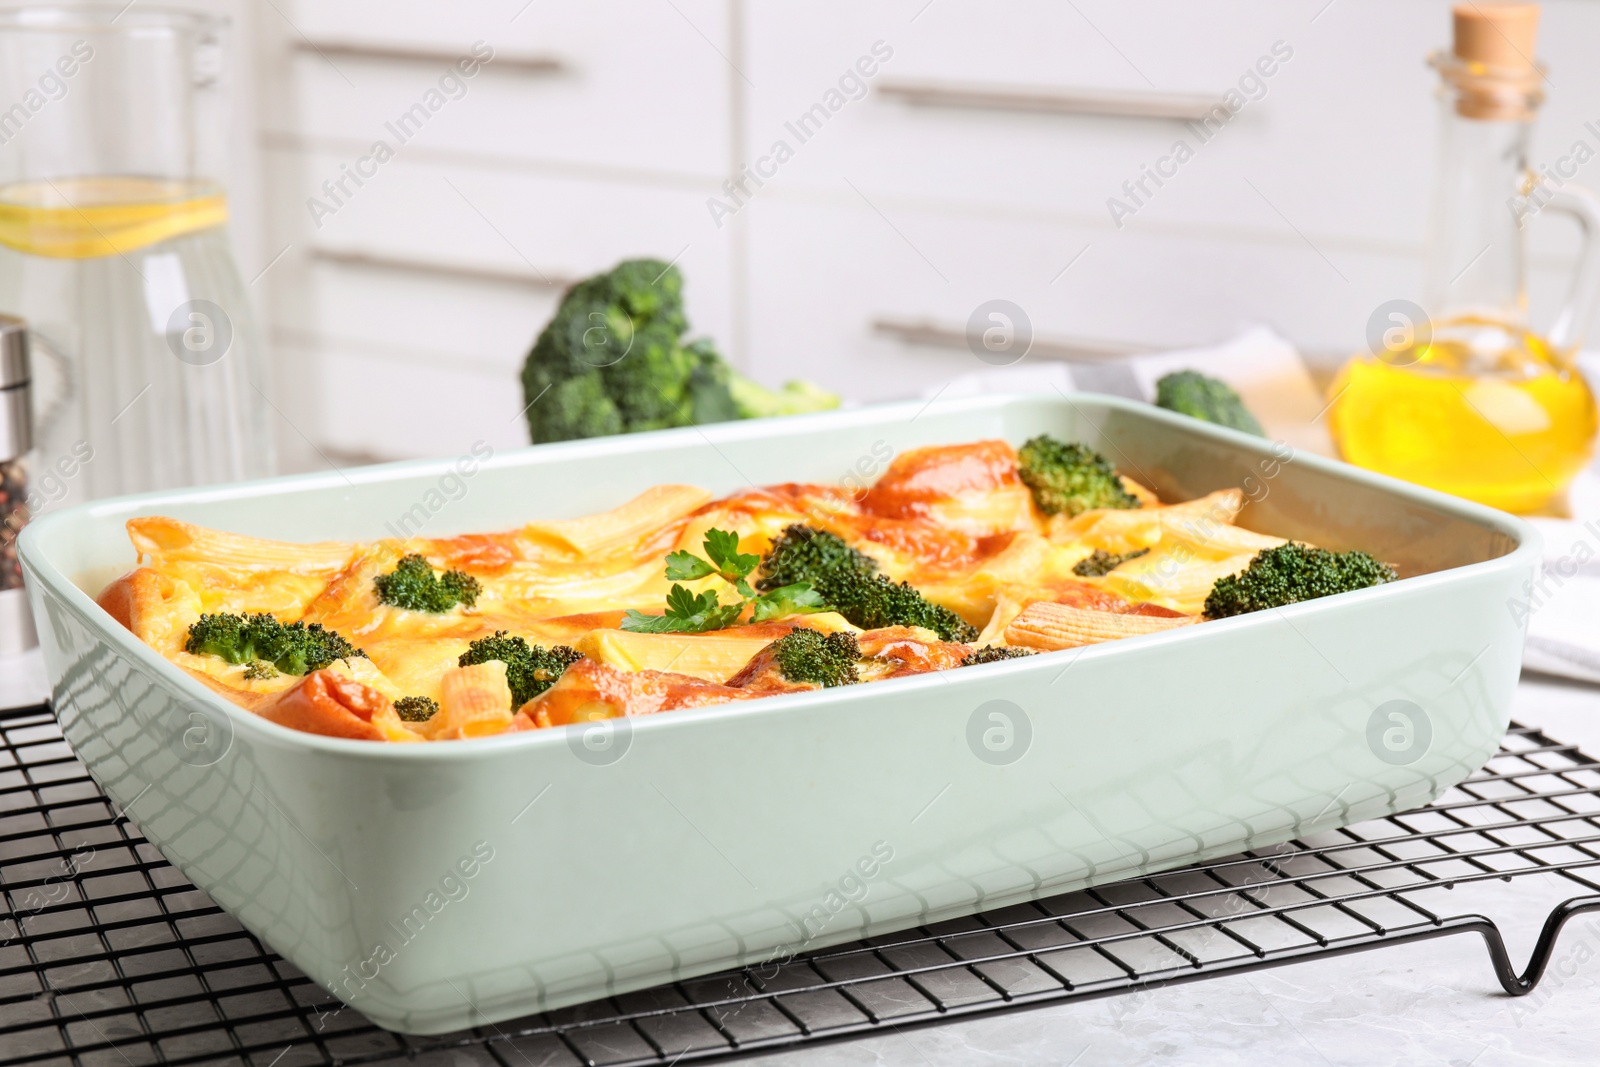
{"x":993,"y":654}
{"x":875,"y":602}
{"x":1291,"y":573}
{"x":847,"y":580}
{"x":530,"y":669}
{"x":795,"y":398}
{"x":415,"y":586}
{"x":1069,"y":478}
{"x":416,"y":709}
{"x":1100,"y":563}
{"x":805,"y":655}
{"x":260,"y":670}
{"x":1191,"y":393}
{"x":613,"y":360}
{"x":293,"y":648}
{"x":802,"y":553}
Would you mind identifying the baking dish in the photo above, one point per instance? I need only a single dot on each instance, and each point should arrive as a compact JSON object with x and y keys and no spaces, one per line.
{"x":437,"y":886}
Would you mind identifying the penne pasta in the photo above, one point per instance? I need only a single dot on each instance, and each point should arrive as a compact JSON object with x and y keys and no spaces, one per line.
{"x":620,"y":528}
{"x":1051,"y":627}
{"x":578,"y":621}
{"x":1216,"y":540}
{"x":171,"y":541}
{"x":474,"y":701}
{"x":239,"y":574}
{"x":572,"y":589}
{"x":1174,"y":581}
{"x":712,"y":656}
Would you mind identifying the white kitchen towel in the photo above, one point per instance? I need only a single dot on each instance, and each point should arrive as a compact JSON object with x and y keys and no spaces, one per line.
{"x":1265,"y":369}
{"x":1562,"y":605}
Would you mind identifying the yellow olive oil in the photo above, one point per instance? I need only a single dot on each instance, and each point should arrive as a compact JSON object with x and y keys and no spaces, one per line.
{"x":1481,"y":410}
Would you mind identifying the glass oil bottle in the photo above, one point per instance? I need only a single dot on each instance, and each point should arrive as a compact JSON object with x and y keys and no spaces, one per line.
{"x":1461,"y":394}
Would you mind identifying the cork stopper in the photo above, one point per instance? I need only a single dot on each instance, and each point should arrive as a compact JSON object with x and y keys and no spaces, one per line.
{"x":1492,"y":64}
{"x":1496,"y":35}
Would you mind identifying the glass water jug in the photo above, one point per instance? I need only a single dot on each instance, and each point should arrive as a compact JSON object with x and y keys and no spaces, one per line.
{"x":114,"y":248}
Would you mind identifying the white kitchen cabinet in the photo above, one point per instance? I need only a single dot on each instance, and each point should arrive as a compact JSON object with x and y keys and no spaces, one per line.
{"x":431,"y":266}
{"x":487,"y":240}
{"x":374,"y":408}
{"x":1306,"y":210}
{"x":604,"y":131}
{"x":629,"y":84}
{"x":820,"y":312}
{"x":1366,"y":141}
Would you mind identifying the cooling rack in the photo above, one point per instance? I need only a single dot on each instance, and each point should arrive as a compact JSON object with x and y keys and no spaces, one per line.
{"x":108,"y":957}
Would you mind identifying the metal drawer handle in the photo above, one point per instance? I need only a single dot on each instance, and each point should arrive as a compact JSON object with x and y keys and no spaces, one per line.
{"x":1070,"y":349}
{"x":501,"y":275}
{"x":402,"y":53}
{"x":1109,"y":103}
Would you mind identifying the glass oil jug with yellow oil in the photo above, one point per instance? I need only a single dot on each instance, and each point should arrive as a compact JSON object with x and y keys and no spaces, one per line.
{"x":114,"y":248}
{"x":1461,"y":394}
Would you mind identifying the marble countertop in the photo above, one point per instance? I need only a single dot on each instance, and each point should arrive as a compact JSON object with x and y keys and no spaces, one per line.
{"x":1434,"y":1002}
{"x":22,"y":680}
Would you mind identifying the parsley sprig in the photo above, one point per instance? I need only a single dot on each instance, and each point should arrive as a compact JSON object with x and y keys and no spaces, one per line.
{"x":692,"y":613}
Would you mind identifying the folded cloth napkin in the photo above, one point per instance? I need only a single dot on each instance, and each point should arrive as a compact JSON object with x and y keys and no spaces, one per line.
{"x":1561,"y":606}
{"x":1262,"y":367}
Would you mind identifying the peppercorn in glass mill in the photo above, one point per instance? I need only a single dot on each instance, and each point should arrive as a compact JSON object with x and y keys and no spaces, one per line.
{"x":16,"y":440}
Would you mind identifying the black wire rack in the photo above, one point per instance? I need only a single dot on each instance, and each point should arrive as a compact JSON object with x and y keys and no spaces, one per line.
{"x":108,"y":957}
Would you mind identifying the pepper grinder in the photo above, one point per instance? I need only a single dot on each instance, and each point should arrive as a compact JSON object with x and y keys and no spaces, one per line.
{"x":17,"y":632}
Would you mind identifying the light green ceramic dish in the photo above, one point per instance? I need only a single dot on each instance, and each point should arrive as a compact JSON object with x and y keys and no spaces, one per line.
{"x":436,"y":886}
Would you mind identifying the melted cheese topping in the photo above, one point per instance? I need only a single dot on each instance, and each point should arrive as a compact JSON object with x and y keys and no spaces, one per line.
{"x":953,"y":520}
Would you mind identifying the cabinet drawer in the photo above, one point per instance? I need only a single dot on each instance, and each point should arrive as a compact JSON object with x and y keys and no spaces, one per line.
{"x":469,"y":263}
{"x":1339,"y":143}
{"x":632,"y":84}
{"x":371,"y":406}
{"x":423,"y":317}
{"x":815,"y":313}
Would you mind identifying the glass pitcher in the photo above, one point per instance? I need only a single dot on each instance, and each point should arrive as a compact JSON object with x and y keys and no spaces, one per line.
{"x":114,"y":248}
{"x":1461,"y":394}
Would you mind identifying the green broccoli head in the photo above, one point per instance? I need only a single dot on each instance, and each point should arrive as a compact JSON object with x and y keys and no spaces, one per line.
{"x":530,"y":669}
{"x":292,"y":648}
{"x":877,"y":601}
{"x":415,"y":586}
{"x":1291,"y":573}
{"x":754,"y":401}
{"x":805,"y":655}
{"x":1191,"y":393}
{"x":993,"y":654}
{"x":1068,"y":478}
{"x":610,"y":359}
{"x":805,"y":553}
{"x":613,"y":360}
{"x":848,"y":582}
{"x":416,"y":709}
